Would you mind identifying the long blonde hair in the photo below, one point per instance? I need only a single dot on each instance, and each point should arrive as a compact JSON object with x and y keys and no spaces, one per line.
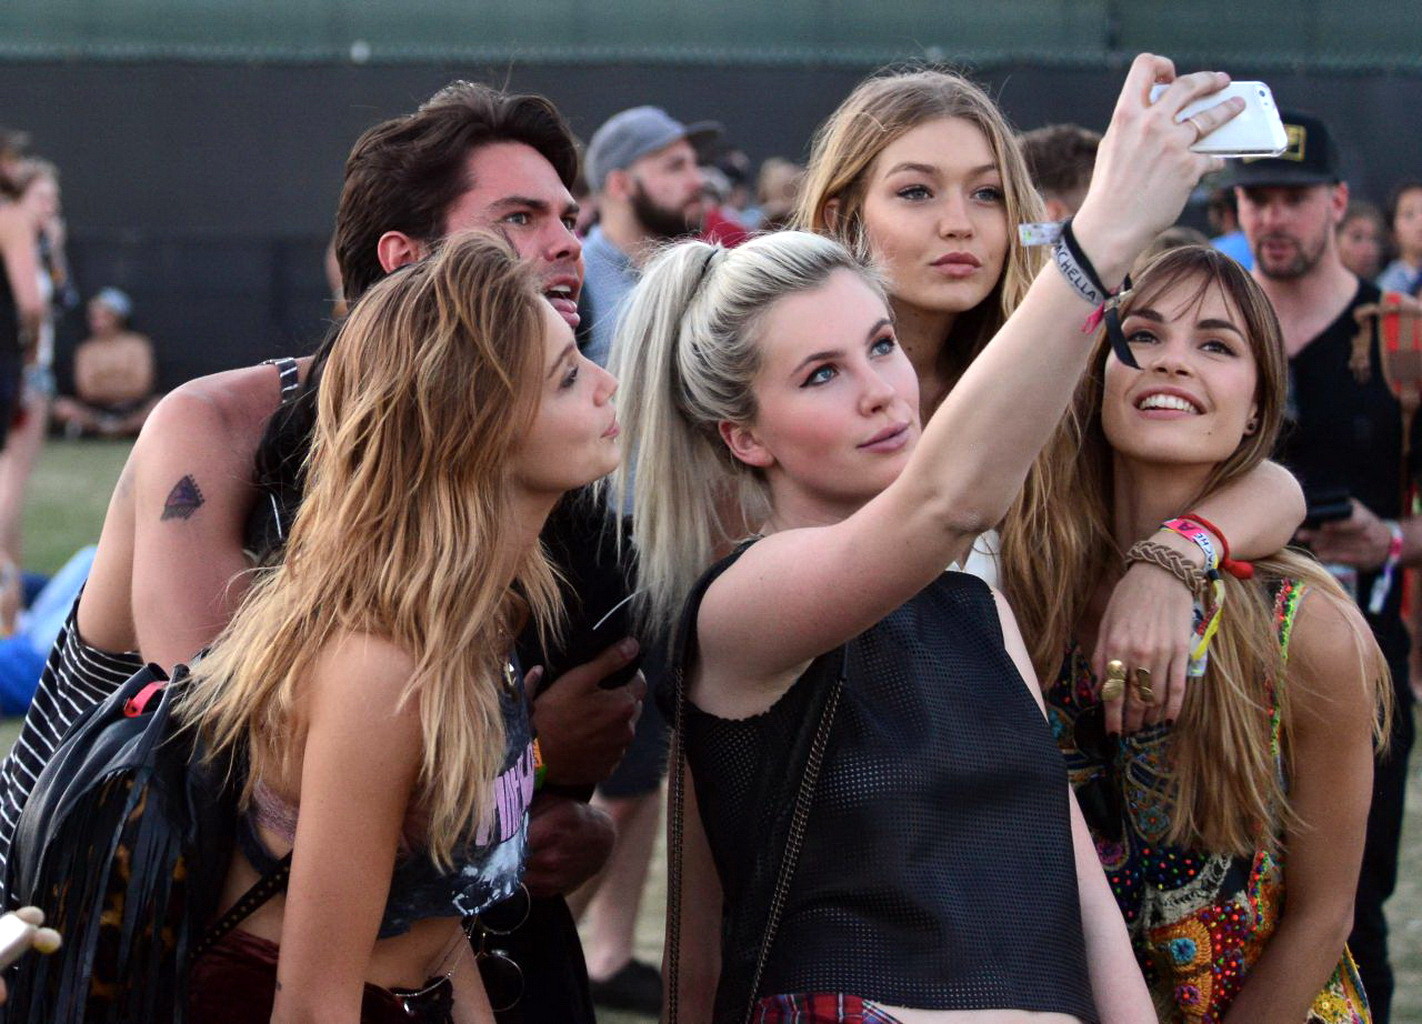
{"x":1057,"y":543}
{"x":686,"y":353}
{"x":406,"y":531}
{"x":880,"y":110}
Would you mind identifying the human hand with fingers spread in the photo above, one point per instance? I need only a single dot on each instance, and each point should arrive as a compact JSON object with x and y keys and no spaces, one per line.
{"x":1145,"y":169}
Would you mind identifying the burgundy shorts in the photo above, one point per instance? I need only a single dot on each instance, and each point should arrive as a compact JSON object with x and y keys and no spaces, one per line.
{"x":234,"y":982}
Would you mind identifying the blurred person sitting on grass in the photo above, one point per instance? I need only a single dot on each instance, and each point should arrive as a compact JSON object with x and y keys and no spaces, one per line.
{"x":113,"y":374}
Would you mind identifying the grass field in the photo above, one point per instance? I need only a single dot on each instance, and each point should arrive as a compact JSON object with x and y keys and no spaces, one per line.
{"x":66,"y":508}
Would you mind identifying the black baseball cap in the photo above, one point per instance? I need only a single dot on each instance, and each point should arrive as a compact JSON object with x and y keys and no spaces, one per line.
{"x":1310,"y":159}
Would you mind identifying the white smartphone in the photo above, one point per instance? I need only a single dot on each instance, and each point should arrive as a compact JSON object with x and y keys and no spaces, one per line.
{"x":1255,"y":131}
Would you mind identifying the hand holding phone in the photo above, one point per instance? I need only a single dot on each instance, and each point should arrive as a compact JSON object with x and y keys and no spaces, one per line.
{"x":1257,"y":131}
{"x":1326,"y":505}
{"x":613,"y":625}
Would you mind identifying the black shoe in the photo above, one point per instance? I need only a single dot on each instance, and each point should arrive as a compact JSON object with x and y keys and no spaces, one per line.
{"x":636,"y":987}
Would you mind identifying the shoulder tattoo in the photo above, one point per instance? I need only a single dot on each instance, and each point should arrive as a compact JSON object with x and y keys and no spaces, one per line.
{"x":183,"y":500}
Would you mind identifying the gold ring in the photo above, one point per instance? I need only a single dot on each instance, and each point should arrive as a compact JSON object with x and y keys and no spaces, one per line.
{"x":1115,"y":685}
{"x":1141,"y":680}
{"x":1199,"y":132}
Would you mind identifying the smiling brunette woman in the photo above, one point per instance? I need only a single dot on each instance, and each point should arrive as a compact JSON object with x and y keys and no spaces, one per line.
{"x":1262,"y":785}
{"x":919,"y":173}
{"x":367,"y":678}
{"x":880,"y":829}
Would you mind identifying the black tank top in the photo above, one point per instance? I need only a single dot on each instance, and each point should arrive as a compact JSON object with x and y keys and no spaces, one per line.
{"x":937,"y":868}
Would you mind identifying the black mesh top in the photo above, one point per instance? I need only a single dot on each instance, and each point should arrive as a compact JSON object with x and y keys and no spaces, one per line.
{"x":937,"y":869}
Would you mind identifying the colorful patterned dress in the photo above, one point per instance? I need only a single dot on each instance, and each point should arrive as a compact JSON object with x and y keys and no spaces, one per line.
{"x":1198,"y":921}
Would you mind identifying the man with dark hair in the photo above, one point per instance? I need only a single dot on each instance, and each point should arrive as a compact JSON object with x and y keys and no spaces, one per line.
{"x":1346,"y":444}
{"x":1060,"y":159}
{"x":414,"y":179}
{"x":214,"y":481}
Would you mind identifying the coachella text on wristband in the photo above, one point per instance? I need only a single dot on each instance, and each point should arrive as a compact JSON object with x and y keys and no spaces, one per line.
{"x":1195,"y":534}
{"x":1239,"y":570}
{"x":1082,"y":276}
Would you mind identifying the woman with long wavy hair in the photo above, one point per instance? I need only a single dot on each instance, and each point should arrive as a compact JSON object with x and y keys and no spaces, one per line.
{"x":1261,"y":787}
{"x":367,"y":679}
{"x":919,"y":172}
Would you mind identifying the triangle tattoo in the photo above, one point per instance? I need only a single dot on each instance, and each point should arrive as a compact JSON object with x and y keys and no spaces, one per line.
{"x":183,"y":500}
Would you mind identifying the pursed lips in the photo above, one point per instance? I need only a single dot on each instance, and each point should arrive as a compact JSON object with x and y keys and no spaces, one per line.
{"x":889,"y":433}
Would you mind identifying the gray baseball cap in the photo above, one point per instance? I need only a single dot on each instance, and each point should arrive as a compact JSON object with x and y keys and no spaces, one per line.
{"x":625,"y":138}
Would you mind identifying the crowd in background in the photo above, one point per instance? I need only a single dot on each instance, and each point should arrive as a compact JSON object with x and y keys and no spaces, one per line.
{"x":669,"y":259}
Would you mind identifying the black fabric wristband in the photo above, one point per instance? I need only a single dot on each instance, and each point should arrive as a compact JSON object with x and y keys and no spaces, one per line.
{"x":1079,"y":271}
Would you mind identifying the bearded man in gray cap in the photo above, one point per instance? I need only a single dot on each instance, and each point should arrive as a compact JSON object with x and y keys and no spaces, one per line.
{"x":642,"y":166}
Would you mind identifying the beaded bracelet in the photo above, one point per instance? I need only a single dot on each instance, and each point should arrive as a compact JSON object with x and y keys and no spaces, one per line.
{"x":540,"y":770}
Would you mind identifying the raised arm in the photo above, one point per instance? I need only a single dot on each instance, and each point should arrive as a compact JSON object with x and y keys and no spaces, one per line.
{"x":1148,"y":620}
{"x":358,"y":768}
{"x":1330,"y":789}
{"x":768,"y":613}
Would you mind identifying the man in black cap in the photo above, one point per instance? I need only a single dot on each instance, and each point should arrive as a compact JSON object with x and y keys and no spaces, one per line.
{"x":1346,"y":444}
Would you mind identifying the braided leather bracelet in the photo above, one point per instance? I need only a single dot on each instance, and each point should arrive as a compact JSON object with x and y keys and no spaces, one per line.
{"x":1172,"y":562}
